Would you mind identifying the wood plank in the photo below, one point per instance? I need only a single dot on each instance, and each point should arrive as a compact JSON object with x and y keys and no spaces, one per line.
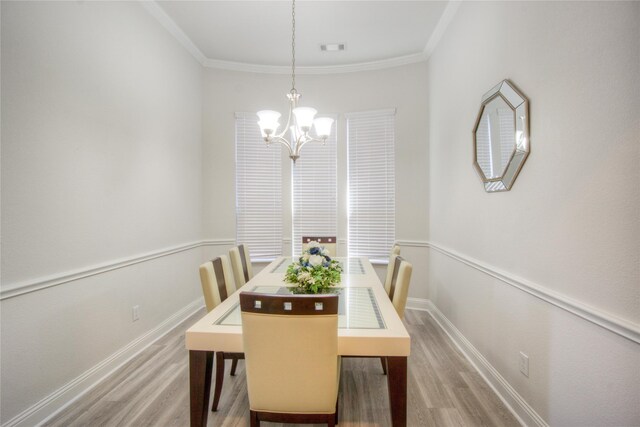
{"x":153,"y":389}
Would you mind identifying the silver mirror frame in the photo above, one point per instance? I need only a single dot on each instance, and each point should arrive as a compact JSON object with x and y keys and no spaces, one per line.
{"x":520,"y":106}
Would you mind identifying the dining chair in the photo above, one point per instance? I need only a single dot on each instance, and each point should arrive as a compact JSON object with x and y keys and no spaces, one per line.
{"x":329,"y":243}
{"x":398,"y":290}
{"x":241,"y":263}
{"x":400,"y":282}
{"x":395,"y":251}
{"x":217,"y":283}
{"x":292,"y":363}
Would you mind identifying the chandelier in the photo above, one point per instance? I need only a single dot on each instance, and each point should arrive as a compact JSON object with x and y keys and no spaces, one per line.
{"x":300,"y":119}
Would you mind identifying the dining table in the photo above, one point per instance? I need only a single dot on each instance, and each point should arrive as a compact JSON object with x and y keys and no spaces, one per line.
{"x":368,"y":326}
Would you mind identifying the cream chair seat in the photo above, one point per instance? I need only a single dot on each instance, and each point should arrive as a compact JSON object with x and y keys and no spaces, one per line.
{"x":241,"y":263}
{"x":292,"y":363}
{"x":217,"y":283}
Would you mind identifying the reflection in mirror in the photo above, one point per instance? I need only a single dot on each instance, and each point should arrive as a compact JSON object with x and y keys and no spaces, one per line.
{"x":495,"y":138}
{"x":501,"y":136}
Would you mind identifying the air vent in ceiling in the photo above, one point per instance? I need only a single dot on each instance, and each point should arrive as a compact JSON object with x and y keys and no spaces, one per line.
{"x":332,"y":47}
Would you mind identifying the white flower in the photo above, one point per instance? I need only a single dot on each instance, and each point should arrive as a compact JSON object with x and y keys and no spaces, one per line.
{"x":325,"y":252}
{"x":304,"y":277}
{"x":305,"y":257}
{"x":316,"y":260}
{"x":313,"y":244}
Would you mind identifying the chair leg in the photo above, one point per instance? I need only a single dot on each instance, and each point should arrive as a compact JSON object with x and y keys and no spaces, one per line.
{"x":253,"y":419}
{"x":234,"y":365}
{"x":383,"y":360}
{"x":219,"y":378}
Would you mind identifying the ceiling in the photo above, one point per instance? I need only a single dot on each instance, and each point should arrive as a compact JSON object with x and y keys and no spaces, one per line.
{"x":256,"y":35}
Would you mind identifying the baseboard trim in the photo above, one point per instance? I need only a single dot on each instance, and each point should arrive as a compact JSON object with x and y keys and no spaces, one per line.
{"x":420,"y":304}
{"x":525,"y":414}
{"x":57,"y":401}
{"x":28,"y":286}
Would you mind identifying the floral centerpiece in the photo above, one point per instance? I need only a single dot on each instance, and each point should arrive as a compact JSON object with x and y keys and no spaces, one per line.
{"x":314,"y":272}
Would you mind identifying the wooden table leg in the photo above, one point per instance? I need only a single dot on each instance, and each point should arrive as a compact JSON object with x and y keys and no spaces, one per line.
{"x":397,"y":383}
{"x":200,"y":369}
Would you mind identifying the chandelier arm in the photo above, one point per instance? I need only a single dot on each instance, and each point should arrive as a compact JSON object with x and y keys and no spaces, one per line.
{"x":308,"y":139}
{"x":283,"y":142}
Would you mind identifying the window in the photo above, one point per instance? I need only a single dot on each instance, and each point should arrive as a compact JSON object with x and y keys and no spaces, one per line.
{"x":371,"y":141}
{"x":258,"y":191}
{"x":314,"y":192}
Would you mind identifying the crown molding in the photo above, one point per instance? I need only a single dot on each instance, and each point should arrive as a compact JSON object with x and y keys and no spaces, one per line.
{"x":169,"y":24}
{"x":325,"y":69}
{"x":152,"y":7}
{"x":443,"y":23}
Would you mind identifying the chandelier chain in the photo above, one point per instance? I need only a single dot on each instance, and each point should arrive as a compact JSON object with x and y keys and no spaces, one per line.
{"x":293,"y":47}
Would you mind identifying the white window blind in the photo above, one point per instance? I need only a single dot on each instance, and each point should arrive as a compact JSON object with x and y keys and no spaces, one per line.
{"x":314,"y":192}
{"x":371,"y":141}
{"x":258,"y":190}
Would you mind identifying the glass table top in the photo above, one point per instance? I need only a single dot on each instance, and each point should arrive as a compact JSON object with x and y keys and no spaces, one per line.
{"x":357,"y":308}
{"x":349,"y":265}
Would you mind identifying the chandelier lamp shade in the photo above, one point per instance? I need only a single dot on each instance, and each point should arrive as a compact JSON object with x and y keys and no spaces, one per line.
{"x":300,"y":119}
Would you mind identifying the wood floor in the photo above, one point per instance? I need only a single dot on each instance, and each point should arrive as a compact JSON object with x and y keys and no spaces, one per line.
{"x":152,"y":390}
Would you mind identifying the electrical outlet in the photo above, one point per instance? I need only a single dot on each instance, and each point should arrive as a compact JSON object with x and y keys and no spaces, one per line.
{"x":136,"y":312}
{"x":524,"y":364}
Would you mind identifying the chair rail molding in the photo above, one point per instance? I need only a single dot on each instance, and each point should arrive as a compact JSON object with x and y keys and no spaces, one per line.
{"x":601,"y":318}
{"x":24,"y":287}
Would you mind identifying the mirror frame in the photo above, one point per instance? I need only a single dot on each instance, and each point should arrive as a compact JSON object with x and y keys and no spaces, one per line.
{"x":519,"y":104}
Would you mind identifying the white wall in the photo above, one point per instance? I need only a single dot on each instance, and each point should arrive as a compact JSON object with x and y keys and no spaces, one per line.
{"x":403,"y":88}
{"x":570,"y":226}
{"x":101,"y":147}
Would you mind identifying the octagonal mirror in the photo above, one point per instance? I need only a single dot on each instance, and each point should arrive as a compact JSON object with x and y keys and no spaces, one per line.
{"x":501,"y":136}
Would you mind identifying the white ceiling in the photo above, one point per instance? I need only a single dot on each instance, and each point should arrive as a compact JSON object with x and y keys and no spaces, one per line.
{"x":256,"y":35}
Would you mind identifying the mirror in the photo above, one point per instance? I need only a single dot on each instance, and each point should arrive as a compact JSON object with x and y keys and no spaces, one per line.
{"x":501,"y":136}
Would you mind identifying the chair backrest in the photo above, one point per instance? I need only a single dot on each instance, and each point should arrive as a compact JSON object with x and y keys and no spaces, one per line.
{"x":291,"y":352}
{"x":329,"y":243}
{"x":241,"y":263}
{"x":399,"y":289}
{"x":395,"y":249}
{"x":390,"y":268}
{"x":217,"y":281}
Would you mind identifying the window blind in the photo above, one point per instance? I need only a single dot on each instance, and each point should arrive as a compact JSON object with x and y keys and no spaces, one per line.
{"x":258,"y":190}
{"x":371,"y":163}
{"x":314,"y":192}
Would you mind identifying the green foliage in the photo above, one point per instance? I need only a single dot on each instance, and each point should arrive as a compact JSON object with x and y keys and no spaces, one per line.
{"x":310,"y":278}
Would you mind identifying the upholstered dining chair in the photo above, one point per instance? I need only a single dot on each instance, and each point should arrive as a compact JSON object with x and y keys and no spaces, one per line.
{"x":241,"y":263}
{"x":395,"y":251}
{"x":400,"y":281}
{"x":217,"y":283}
{"x":292,"y":363}
{"x":398,"y":289}
{"x":329,"y":243}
